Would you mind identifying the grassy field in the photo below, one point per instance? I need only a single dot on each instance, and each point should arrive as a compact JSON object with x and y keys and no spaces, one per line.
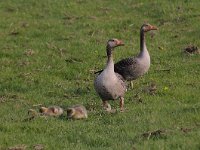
{"x":50,"y":49}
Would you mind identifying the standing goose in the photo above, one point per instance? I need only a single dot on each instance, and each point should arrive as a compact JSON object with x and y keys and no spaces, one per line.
{"x":134,"y":67}
{"x":108,"y":84}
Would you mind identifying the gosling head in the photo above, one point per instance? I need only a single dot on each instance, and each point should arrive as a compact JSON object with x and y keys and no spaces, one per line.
{"x":43,"y":109}
{"x":148,"y":27}
{"x":70,"y":112}
{"x":107,"y":107}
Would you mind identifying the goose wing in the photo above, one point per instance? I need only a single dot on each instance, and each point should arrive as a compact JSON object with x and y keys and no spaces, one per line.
{"x":125,"y":64}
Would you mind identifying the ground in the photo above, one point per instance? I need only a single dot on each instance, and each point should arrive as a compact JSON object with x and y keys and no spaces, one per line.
{"x":50,"y":49}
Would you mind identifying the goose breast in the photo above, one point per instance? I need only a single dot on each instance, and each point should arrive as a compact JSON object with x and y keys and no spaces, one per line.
{"x":110,"y":86}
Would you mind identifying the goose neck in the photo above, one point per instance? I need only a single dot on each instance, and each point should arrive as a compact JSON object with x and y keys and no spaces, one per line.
{"x":110,"y":63}
{"x":109,"y":53}
{"x":142,"y":40}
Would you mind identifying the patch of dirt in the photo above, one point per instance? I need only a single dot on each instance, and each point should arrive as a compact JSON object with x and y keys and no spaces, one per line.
{"x":191,"y":49}
{"x":24,"y":24}
{"x":8,"y":97}
{"x":18,"y":147}
{"x":105,"y":10}
{"x":163,"y":133}
{"x":24,"y":63}
{"x":154,"y":134}
{"x":2,"y":99}
{"x":29,"y":52}
{"x":38,"y":147}
{"x":186,"y":130}
{"x":14,"y":33}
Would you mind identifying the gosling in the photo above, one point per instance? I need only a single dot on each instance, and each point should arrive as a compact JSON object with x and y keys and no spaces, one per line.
{"x":77,"y":112}
{"x":51,"y":111}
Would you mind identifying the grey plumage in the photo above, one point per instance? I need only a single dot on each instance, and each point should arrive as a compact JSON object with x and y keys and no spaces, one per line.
{"x":108,"y":84}
{"x":134,"y":67}
{"x":111,"y":88}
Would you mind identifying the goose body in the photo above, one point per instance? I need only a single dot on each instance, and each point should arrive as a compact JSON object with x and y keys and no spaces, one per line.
{"x":108,"y":84}
{"x":134,"y":67}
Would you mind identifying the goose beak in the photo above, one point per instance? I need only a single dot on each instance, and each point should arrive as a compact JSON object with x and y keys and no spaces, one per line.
{"x":153,"y":28}
{"x":120,"y":43}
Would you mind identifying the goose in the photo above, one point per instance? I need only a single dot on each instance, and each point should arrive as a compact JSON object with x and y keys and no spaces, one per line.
{"x":77,"y":112}
{"x":108,"y":84}
{"x":133,"y":67}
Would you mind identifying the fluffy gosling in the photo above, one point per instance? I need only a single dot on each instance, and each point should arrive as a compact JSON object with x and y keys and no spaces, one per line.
{"x":51,"y":111}
{"x":77,"y":112}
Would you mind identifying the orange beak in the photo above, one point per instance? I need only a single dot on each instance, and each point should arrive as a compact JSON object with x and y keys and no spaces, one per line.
{"x":120,"y":43}
{"x":153,"y":28}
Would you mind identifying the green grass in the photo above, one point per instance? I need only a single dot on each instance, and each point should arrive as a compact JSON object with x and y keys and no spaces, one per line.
{"x":68,"y":40}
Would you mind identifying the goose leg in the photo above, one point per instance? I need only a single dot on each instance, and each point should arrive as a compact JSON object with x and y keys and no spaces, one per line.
{"x":131,"y":84}
{"x":121,"y":104}
{"x":106,"y":106}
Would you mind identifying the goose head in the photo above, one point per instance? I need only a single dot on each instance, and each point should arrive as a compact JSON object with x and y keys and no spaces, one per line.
{"x":112,"y":43}
{"x":148,"y":27}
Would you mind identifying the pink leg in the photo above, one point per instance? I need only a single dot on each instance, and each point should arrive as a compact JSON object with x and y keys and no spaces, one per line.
{"x":121,"y":104}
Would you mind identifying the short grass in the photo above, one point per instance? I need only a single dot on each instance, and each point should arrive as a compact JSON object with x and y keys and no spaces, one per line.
{"x":49,"y":49}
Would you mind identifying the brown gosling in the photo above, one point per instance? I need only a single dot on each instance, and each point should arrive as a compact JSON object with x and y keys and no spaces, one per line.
{"x":77,"y":112}
{"x":51,"y":111}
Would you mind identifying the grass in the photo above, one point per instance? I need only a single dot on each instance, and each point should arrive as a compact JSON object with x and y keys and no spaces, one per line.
{"x":48,"y":50}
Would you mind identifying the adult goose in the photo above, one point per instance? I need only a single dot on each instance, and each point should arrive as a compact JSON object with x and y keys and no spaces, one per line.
{"x":108,"y":84}
{"x":134,"y":67}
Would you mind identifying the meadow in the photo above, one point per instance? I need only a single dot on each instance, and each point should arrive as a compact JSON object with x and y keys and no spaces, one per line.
{"x":49,"y":51}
